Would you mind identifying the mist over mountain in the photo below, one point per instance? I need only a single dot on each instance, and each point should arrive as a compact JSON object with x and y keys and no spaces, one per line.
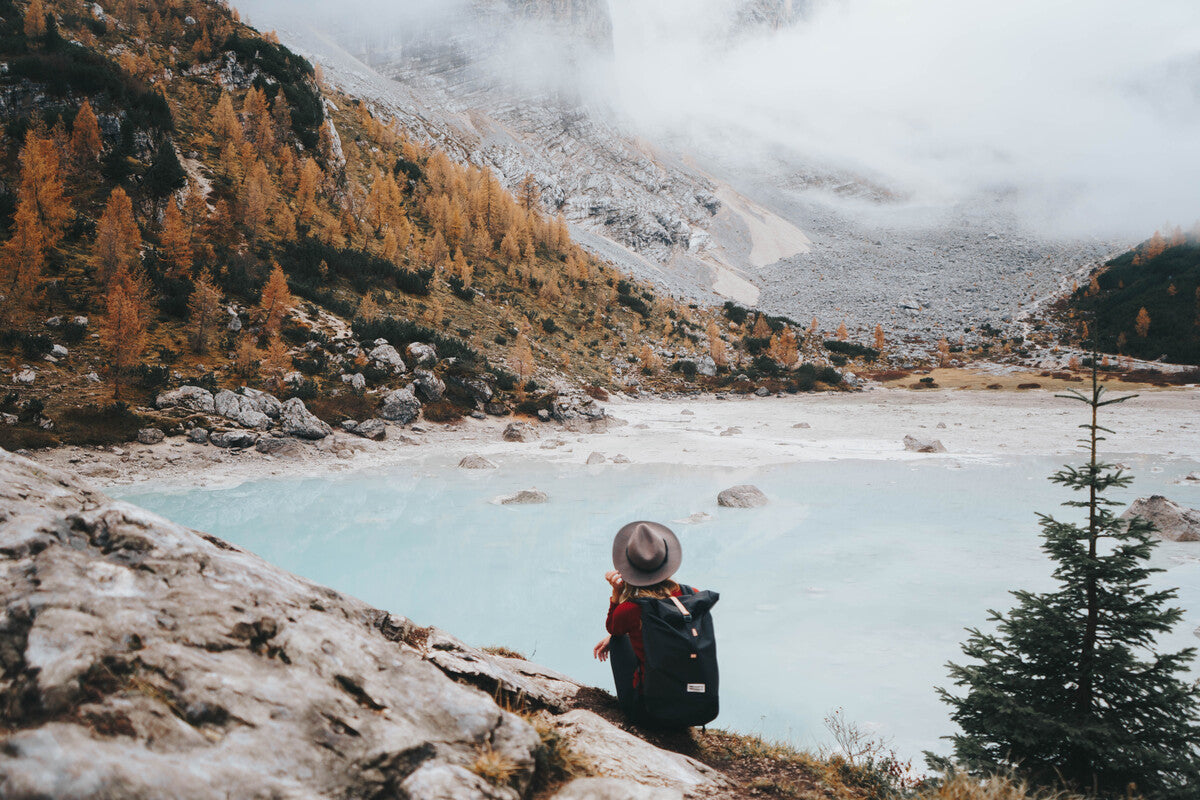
{"x":761,"y":148}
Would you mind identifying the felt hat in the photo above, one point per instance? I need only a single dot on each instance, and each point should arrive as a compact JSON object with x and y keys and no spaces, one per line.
{"x":646,"y":553}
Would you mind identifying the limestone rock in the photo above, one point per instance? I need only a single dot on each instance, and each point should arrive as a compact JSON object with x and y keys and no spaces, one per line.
{"x":264,"y":402}
{"x":357,"y":381}
{"x":233,"y":439}
{"x":621,"y":458}
{"x":192,"y":398}
{"x":743,"y":496}
{"x":1171,"y":521}
{"x":375,"y":429}
{"x":914,"y":445}
{"x":614,"y":789}
{"x":596,"y":458}
{"x":567,"y":407}
{"x":25,"y":376}
{"x":150,"y":435}
{"x":762,"y":391}
{"x":296,"y":420}
{"x":732,"y":431}
{"x":706,"y":366}
{"x":615,"y":753}
{"x":476,"y":462}
{"x":198,"y":436}
{"x":524,"y":497}
{"x":428,"y":385}
{"x":421,"y":353}
{"x":520,"y":432}
{"x":387,"y":357}
{"x":400,"y":406}
{"x":279,"y":446}
{"x":145,"y":660}
{"x":241,"y":409}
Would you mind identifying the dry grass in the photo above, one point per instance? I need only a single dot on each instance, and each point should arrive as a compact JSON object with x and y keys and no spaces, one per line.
{"x":556,"y":762}
{"x":504,"y":652}
{"x":493,"y":767}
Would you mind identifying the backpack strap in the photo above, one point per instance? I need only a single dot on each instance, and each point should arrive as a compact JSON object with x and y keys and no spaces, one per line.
{"x":687,"y":614}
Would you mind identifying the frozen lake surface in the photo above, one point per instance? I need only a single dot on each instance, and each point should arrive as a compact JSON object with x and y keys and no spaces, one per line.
{"x":851,"y":589}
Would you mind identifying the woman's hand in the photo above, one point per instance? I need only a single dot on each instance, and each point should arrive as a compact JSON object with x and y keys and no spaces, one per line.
{"x":616,"y":581}
{"x":600,"y":651}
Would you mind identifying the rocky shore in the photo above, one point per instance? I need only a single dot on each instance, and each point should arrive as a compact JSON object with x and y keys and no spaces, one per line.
{"x":145,"y":660}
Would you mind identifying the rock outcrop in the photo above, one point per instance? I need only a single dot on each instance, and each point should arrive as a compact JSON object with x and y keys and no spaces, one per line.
{"x":140,"y":659}
{"x":1171,"y":521}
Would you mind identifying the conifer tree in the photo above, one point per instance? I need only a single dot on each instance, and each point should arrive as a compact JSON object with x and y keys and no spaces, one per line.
{"x":204,"y":312}
{"x":521,"y":357}
{"x":123,"y":331}
{"x":842,"y":334}
{"x":166,"y":174}
{"x":368,"y":309}
{"x":21,"y":265}
{"x":176,"y":241}
{"x":1070,"y":689}
{"x":276,"y":360}
{"x":880,"y":340}
{"x":716,"y":345}
{"x":1142,"y":324}
{"x":41,"y":187}
{"x":118,"y":242}
{"x":35,"y":19}
{"x":225,"y":123}
{"x":276,"y":301}
{"x":86,"y":142}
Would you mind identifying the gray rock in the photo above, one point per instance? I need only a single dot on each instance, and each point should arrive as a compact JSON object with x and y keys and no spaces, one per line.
{"x":612,"y":751}
{"x":596,"y":458}
{"x":524,"y":497}
{"x":233,"y":439}
{"x":198,"y":436}
{"x":614,"y":789}
{"x":245,"y":410}
{"x":706,"y":366}
{"x":150,"y":435}
{"x":567,"y":407}
{"x":54,"y":322}
{"x":400,"y":406}
{"x":237,"y":679}
{"x":915,"y":445}
{"x":743,"y":496}
{"x":92,"y":377}
{"x":421,"y":353}
{"x":476,"y":462}
{"x":497,"y":409}
{"x":25,"y":376}
{"x":802,"y":425}
{"x":762,"y":391}
{"x":357,"y":381}
{"x":80,"y":321}
{"x":58,"y":351}
{"x":349,"y":425}
{"x":428,"y":385}
{"x":374,"y":429}
{"x":621,"y":459}
{"x":1171,"y":521}
{"x":279,"y":446}
{"x":264,"y":402}
{"x":10,"y":419}
{"x":733,"y":431}
{"x":520,"y":432}
{"x":387,"y":357}
{"x":296,"y":420}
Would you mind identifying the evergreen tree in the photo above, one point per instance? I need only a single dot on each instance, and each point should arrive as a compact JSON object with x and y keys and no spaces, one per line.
{"x":166,"y":174}
{"x":1070,"y":690}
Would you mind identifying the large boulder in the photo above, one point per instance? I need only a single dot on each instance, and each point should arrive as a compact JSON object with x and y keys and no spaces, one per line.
{"x":192,"y":398}
{"x":279,"y":446}
{"x":915,"y":445}
{"x":400,"y":406}
{"x":235,"y":440}
{"x":744,"y":496}
{"x":1171,"y":521}
{"x":241,"y":409}
{"x":145,"y":660}
{"x":421,"y":353}
{"x":525,"y":497}
{"x":264,"y":402}
{"x":374,"y":429}
{"x":520,"y":432}
{"x":150,"y":435}
{"x":385,"y":356}
{"x":567,"y":407}
{"x":296,"y":420}
{"x":614,"y":789}
{"x":428,"y":385}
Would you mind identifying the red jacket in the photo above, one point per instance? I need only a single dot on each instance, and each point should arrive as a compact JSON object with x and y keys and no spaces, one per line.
{"x":626,"y":619}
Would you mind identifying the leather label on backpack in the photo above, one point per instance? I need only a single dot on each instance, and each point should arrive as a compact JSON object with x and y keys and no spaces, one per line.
{"x":695,"y":687}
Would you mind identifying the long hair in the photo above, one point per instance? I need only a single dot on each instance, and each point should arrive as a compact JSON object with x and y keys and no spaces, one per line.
{"x":661,"y":590}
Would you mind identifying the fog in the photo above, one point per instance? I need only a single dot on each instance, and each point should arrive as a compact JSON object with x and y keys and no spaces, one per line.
{"x":1085,"y":113}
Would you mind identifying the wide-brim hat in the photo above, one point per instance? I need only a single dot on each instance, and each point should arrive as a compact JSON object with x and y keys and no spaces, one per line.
{"x":646,"y":553}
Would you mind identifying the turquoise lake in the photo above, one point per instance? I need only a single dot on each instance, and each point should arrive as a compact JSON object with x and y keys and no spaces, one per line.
{"x":851,"y":589}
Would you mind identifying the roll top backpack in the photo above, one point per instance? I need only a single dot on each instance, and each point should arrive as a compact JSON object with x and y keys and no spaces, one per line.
{"x":679,"y":676}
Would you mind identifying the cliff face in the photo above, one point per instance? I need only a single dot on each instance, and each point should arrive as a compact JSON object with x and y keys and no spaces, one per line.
{"x":140,"y":659}
{"x":586,"y":19}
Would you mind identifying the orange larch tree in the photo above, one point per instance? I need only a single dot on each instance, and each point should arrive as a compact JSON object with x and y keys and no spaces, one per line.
{"x":118,"y":241}
{"x":225,"y":123}
{"x":86,"y":141}
{"x":123,"y":331}
{"x":176,"y":241}
{"x":204,"y":312}
{"x":276,"y":301}
{"x":1142,"y":324}
{"x":21,"y":265}
{"x":42,"y":187}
